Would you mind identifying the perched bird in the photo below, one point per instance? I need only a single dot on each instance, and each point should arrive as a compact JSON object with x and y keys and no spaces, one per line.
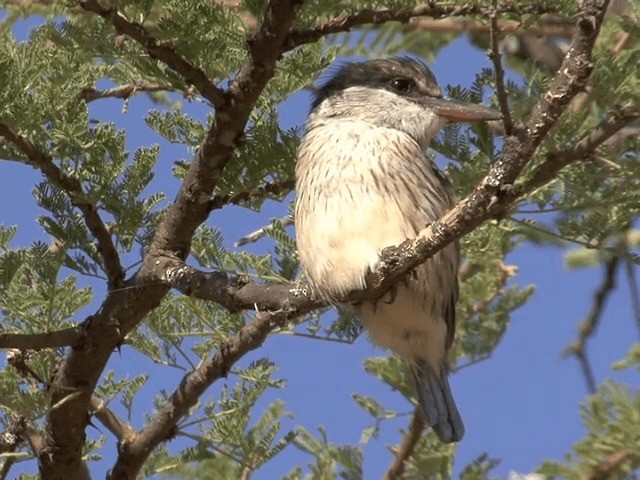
{"x":364,"y":182}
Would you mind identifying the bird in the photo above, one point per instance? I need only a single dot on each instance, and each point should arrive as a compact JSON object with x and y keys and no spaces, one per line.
{"x":364,"y":182}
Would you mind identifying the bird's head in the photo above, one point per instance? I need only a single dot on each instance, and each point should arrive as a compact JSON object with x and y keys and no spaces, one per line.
{"x":397,"y":93}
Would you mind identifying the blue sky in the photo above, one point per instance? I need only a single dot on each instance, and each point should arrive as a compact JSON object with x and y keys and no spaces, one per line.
{"x":520,"y":406}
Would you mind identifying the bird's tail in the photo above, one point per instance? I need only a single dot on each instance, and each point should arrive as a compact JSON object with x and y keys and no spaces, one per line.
{"x":437,"y":403}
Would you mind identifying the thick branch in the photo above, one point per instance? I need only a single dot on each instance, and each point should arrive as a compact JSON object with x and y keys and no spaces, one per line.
{"x":239,"y":293}
{"x":124,"y":308}
{"x":73,"y":188}
{"x":291,"y":300}
{"x":495,"y":194}
{"x":75,"y":380}
{"x":404,"y":451}
{"x":177,"y":227}
{"x":37,"y":341}
{"x":492,"y":197}
{"x":167,"y":55}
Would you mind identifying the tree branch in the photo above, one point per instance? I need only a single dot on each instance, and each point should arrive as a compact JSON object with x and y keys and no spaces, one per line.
{"x":165,"y":54}
{"x":124,"y":91}
{"x":633,"y":291}
{"x":609,"y":465}
{"x":379,"y":16}
{"x":494,"y":55}
{"x":121,"y":430}
{"x":548,"y":26}
{"x":239,"y":293}
{"x":10,"y":441}
{"x":246,"y":473}
{"x":261,"y":232}
{"x":268,"y":189}
{"x":496,"y":192}
{"x":162,"y":427}
{"x":556,"y":161}
{"x":404,"y":451}
{"x":37,"y":341}
{"x":18,"y":360}
{"x":590,"y":323}
{"x":73,"y":188}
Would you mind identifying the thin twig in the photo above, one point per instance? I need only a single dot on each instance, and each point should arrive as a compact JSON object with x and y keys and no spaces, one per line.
{"x":591,"y":321}
{"x":556,"y":161}
{"x":505,"y":273}
{"x":124,"y":91}
{"x":494,"y":55}
{"x":404,"y":451}
{"x":73,"y":188}
{"x":167,"y":55}
{"x":261,"y":232}
{"x":633,"y":290}
{"x":269,"y":189}
{"x":471,"y":362}
{"x":616,"y":250}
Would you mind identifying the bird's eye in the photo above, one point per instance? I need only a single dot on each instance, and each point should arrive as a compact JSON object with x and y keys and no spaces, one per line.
{"x":401,"y":85}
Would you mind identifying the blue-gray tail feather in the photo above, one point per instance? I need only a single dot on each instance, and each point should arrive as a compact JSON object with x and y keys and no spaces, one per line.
{"x":437,"y":403}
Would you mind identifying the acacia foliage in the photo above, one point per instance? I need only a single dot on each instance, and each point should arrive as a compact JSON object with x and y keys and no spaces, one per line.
{"x":101,"y":187}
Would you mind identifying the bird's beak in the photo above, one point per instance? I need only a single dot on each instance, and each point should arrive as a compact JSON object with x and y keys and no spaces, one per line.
{"x":462,"y":112}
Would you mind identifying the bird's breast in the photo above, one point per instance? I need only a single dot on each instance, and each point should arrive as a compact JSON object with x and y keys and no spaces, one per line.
{"x":359,"y":190}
